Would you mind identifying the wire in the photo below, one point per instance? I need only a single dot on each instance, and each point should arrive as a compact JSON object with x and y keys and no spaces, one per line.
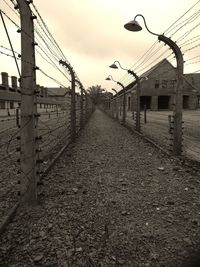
{"x":10,"y":19}
{"x":126,"y":78}
{"x":53,"y":79}
{"x":10,"y":43}
{"x":11,"y":8}
{"x":45,"y":26}
{"x":167,"y":30}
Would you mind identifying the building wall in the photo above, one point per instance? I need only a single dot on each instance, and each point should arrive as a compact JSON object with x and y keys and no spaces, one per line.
{"x":160,"y":84}
{"x":10,"y":97}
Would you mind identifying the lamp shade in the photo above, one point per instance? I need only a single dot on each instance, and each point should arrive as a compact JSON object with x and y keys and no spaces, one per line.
{"x":133,"y":26}
{"x":113,"y":66}
{"x":108,"y":79}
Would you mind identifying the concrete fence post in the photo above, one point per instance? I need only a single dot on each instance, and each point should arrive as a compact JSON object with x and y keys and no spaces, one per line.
{"x":73,"y":98}
{"x":28,"y":130}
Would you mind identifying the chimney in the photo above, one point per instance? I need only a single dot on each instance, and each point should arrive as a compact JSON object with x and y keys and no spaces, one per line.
{"x":14,"y":83}
{"x":4,"y":77}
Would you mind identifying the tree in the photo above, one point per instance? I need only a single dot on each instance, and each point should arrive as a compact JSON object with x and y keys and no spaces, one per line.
{"x":98,"y":94}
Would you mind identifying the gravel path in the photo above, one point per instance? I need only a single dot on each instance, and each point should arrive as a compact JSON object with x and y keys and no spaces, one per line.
{"x":111,"y":200}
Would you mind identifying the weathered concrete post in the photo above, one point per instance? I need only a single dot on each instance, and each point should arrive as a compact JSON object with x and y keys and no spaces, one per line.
{"x":73,"y":98}
{"x":28,"y":132}
{"x":114,"y":66}
{"x":138,"y":91}
{"x":117,"y":107}
{"x":86,"y":106}
{"x":178,"y":108}
{"x":81,"y":104}
{"x":124,"y":103}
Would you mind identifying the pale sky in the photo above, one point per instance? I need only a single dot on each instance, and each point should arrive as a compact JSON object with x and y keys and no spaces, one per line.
{"x":91,"y":34}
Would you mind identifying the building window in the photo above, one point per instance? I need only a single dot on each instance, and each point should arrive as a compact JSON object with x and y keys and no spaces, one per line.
{"x":157,"y":84}
{"x":172,"y":83}
{"x":2,"y":105}
{"x":164,"y":83}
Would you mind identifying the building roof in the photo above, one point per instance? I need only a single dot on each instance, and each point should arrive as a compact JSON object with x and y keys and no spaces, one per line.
{"x":148,"y":72}
{"x":145,"y":75}
{"x":58,"y":91}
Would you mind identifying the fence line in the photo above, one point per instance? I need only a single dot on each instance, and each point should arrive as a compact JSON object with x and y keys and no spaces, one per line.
{"x":38,"y":126}
{"x":158,"y":125}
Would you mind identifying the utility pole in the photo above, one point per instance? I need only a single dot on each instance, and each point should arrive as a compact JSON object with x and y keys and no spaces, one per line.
{"x":73,"y":98}
{"x":28,"y":131}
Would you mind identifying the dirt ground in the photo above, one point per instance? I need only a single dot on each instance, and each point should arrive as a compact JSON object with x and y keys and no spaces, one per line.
{"x":111,"y":200}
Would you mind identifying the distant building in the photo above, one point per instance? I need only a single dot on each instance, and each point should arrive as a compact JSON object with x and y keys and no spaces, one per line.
{"x":158,"y":86}
{"x":10,"y":96}
{"x":60,"y":94}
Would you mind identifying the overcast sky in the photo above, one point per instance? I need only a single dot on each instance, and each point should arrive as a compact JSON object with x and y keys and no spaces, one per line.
{"x":92,"y":35}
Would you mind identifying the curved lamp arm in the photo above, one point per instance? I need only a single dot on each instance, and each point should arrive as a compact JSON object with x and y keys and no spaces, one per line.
{"x":175,"y":49}
{"x":116,"y":61}
{"x":121,"y":84}
{"x":134,"y":26}
{"x":114,"y":90}
{"x":140,"y":15}
{"x":110,"y":78}
{"x":134,"y":74}
{"x":128,"y":70}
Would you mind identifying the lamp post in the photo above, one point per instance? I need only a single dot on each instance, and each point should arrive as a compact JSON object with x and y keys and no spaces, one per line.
{"x":110,"y":78}
{"x":177,"y":133}
{"x":138,"y":90}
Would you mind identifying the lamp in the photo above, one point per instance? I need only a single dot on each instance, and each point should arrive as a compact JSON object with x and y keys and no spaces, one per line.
{"x":110,"y":78}
{"x":133,"y":25}
{"x":114,"y":66}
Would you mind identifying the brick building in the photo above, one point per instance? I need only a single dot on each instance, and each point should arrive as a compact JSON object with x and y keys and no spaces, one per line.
{"x":10,"y":97}
{"x":158,"y":86}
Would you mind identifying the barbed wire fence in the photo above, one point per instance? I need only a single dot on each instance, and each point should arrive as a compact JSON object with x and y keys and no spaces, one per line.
{"x":43,"y":119}
{"x":157,"y":118}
